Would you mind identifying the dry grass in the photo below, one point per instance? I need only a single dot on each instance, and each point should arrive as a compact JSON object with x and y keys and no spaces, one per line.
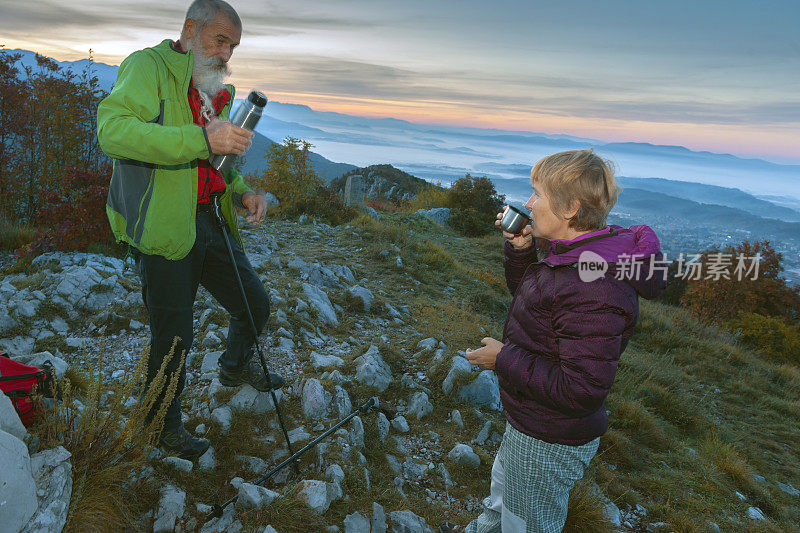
{"x":108,"y":444}
{"x":14,"y":235}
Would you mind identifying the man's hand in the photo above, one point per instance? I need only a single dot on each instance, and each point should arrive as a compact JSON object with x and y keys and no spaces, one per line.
{"x":256,"y":204}
{"x":225,"y":138}
{"x":485,"y":357}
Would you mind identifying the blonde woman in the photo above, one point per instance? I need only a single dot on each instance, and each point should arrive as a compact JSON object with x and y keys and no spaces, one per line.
{"x":566,"y":329}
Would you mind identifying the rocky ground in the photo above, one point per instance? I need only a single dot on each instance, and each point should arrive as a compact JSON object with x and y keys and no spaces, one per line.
{"x":346,"y":325}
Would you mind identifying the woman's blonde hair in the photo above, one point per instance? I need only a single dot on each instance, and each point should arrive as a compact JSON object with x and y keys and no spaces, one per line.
{"x":578,"y":175}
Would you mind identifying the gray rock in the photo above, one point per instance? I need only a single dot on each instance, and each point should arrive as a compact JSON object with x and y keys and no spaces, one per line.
{"x":483,"y":434}
{"x":6,"y":321}
{"x":448,"y":481}
{"x":355,"y":523}
{"x":209,"y":365}
{"x":408,"y":522}
{"x":59,"y":365}
{"x":440,"y":215}
{"x":364,"y":294}
{"x":287,"y":345}
{"x":413,"y":470}
{"x":342,"y":405}
{"x":754,"y":513}
{"x":612,"y":511}
{"x":378,"y":518}
{"x":254,"y":496}
{"x":419,"y":405}
{"x":249,"y":399}
{"x":427,"y":344}
{"x":400,"y":424}
{"x":211,"y":340}
{"x":255,"y":465}
{"x":460,"y":367}
{"x":223,"y":523}
{"x":18,"y":346}
{"x":356,"y":435}
{"x":170,"y":509}
{"x":271,"y":200}
{"x":9,"y":419}
{"x":222,"y":416}
{"x":788,"y":489}
{"x":334,"y":473}
{"x":207,"y":461}
{"x":383,"y":426}
{"x":298,"y":434}
{"x":372,"y":370}
{"x":316,"y":399}
{"x":52,"y":473}
{"x":17,"y":487}
{"x":484,"y":391}
{"x":177,"y":463}
{"x":463,"y":454}
{"x":455,"y":418}
{"x":320,"y":301}
{"x":354,"y":190}
{"x":319,"y":361}
{"x":314,"y":494}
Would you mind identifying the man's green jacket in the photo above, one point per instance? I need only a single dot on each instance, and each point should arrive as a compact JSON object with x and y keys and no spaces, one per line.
{"x":145,"y":124}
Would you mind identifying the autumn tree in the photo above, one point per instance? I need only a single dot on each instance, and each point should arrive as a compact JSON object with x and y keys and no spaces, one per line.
{"x":765,"y":293}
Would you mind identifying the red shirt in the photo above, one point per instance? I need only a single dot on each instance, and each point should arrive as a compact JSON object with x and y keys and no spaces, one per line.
{"x":209,"y":179}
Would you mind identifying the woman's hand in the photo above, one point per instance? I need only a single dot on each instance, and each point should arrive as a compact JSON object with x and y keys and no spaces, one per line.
{"x":485,"y":357}
{"x":519,"y":241}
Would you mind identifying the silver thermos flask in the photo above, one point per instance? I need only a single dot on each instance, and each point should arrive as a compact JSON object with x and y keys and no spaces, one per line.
{"x":246,"y":116}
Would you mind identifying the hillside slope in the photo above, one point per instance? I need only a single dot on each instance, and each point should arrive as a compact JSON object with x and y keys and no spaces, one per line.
{"x":695,"y":418}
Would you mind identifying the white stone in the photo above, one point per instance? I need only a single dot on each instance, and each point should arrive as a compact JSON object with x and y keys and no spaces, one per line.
{"x":314,"y":494}
{"x":378,"y":523}
{"x":464,"y":455}
{"x":383,"y":426}
{"x":408,"y":522}
{"x":59,"y":365}
{"x":315,"y":399}
{"x":52,"y":473}
{"x":320,"y":301}
{"x":419,"y":405}
{"x":400,"y":424}
{"x":755,"y":513}
{"x":222,"y":416}
{"x":320,"y":361}
{"x":341,"y":403}
{"x":427,"y":344}
{"x":177,"y":463}
{"x":247,"y":398}
{"x":372,"y":370}
{"x":788,"y":489}
{"x":209,"y":364}
{"x":17,"y":487}
{"x":254,"y":496}
{"x":170,"y":509}
{"x":334,"y":473}
{"x":207,"y":461}
{"x":211,"y":340}
{"x":356,"y":523}
{"x":9,"y":419}
{"x":363,"y":294}
{"x":356,"y":435}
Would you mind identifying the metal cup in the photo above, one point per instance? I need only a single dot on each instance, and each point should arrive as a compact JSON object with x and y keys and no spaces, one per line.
{"x":514,"y":220}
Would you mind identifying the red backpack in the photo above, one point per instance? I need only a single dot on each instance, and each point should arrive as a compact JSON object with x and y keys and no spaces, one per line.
{"x":21,"y":383}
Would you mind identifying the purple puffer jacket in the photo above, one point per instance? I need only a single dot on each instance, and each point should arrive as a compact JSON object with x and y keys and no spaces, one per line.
{"x":563,"y":336}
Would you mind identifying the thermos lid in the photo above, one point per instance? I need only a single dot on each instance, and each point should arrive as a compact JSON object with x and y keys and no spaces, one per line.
{"x":257,"y":99}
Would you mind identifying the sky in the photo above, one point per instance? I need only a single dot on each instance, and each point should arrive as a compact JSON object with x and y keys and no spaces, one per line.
{"x":708,"y":75}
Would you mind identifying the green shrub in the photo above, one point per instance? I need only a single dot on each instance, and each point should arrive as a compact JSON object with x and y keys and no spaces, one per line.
{"x":474,"y":205}
{"x":771,"y":335}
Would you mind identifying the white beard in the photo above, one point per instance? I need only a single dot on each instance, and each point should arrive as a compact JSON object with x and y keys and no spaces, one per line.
{"x":208,"y":73}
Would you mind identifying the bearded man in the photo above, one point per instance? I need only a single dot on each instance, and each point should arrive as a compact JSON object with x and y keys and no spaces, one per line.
{"x":162,"y":123}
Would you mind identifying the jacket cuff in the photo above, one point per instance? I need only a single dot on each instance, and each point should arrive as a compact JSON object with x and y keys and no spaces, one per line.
{"x":520,"y":256}
{"x":208,"y":144}
{"x":502,"y":364}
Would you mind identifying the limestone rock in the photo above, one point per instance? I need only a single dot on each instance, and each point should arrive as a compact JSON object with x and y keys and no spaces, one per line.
{"x":17,"y":486}
{"x":170,"y":509}
{"x":372,"y":370}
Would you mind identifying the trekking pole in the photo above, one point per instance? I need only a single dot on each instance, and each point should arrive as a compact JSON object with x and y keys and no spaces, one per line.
{"x":222,"y":223}
{"x":217,"y":510}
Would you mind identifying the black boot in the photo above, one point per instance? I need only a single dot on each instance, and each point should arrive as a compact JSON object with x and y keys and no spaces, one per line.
{"x":179,"y":442}
{"x":253,"y":374}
